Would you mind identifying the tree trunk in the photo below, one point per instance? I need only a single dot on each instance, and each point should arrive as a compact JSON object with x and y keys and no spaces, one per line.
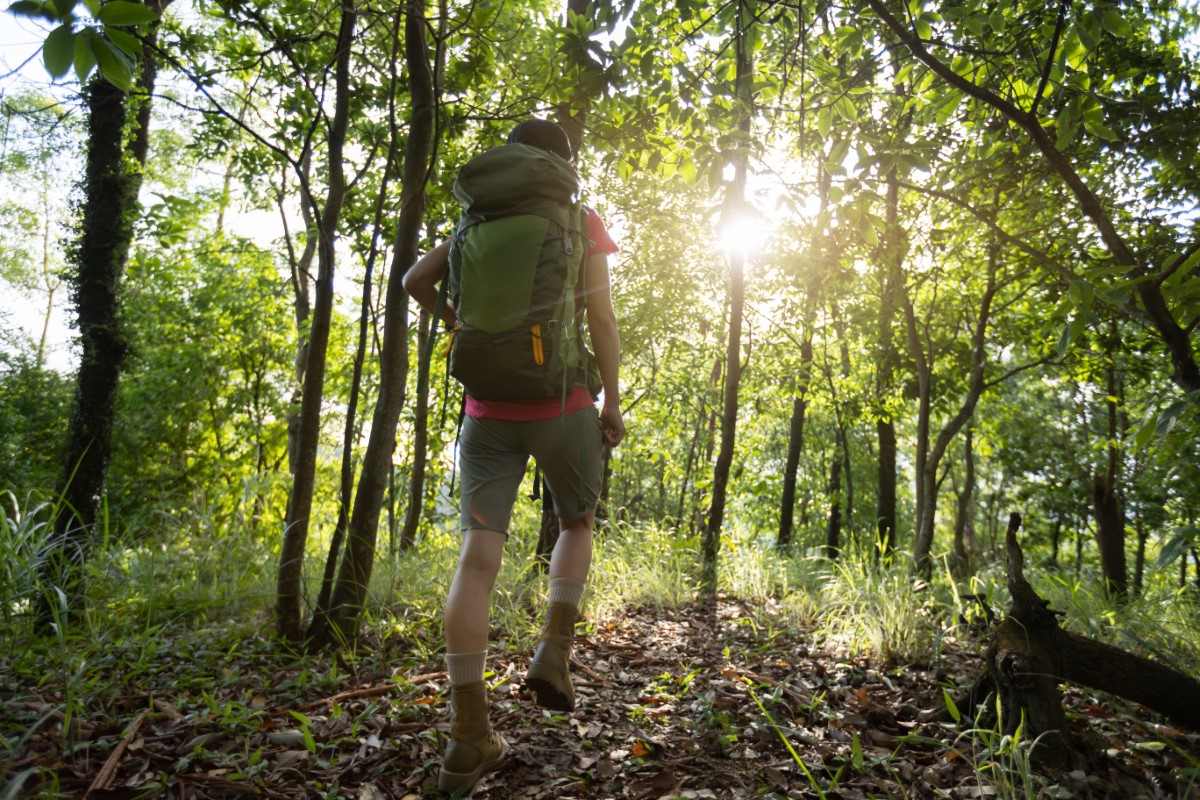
{"x":420,"y":458}
{"x":355,"y":573}
{"x":960,"y":560}
{"x":891,"y":261}
{"x":787,"y":502}
{"x":351,"y":430}
{"x":1139,"y":569}
{"x":819,"y":251}
{"x":1107,"y":505}
{"x":289,"y":586}
{"x":735,"y":202}
{"x":112,"y":178}
{"x":833,"y":526}
{"x":929,"y":461}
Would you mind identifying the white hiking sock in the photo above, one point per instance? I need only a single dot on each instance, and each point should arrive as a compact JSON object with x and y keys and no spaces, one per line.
{"x":465,"y":668}
{"x":567,"y":591}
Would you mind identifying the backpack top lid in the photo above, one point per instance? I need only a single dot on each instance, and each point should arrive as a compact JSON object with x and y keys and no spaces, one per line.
{"x":515,"y":179}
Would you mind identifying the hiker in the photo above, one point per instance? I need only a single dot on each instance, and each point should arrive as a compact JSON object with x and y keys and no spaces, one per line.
{"x":559,"y":426}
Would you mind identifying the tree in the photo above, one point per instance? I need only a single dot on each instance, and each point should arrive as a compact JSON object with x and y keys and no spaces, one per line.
{"x":300,"y":501}
{"x":1162,"y":277}
{"x":116,"y":150}
{"x":39,"y":136}
{"x":351,"y":587}
{"x":734,"y":209}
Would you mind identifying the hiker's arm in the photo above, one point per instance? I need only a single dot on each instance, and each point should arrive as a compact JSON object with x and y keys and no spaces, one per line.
{"x":421,"y":281}
{"x":606,"y":341}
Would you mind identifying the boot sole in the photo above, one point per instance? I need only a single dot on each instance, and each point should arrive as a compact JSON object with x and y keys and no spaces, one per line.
{"x":465,"y":781}
{"x":546,"y":690}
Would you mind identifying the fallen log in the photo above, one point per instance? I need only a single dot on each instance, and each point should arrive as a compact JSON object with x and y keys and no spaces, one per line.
{"x":1030,"y":655}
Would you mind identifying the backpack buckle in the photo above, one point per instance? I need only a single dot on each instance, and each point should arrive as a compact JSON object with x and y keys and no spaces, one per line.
{"x":552,"y":326}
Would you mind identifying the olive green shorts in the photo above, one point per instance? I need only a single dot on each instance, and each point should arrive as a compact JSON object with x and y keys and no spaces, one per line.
{"x":493,"y":454}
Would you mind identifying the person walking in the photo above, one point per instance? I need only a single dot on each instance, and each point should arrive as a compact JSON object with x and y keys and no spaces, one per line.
{"x":565,"y":434}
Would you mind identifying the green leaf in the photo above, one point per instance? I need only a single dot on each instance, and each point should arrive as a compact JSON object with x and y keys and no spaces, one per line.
{"x":846,"y":108}
{"x":1070,"y":333}
{"x":1116,"y":297}
{"x":1181,"y":539}
{"x":114,"y":65}
{"x":1089,"y":31}
{"x":32,"y":8}
{"x":824,"y":121}
{"x":122,"y":12}
{"x":1082,"y":294}
{"x":975,"y":24}
{"x":128,"y":43}
{"x":59,"y":50}
{"x":1168,"y":418}
{"x":1067,"y":126}
{"x":955,"y":714}
{"x":1179,"y":274}
{"x":85,"y":58}
{"x":1145,"y":432}
{"x":1114,"y":23}
{"x":1098,"y":128}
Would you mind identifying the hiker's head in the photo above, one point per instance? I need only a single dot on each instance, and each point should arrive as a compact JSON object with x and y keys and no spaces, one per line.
{"x":544,"y":134}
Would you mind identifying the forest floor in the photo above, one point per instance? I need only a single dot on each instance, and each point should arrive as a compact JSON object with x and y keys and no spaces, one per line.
{"x":700,"y":702}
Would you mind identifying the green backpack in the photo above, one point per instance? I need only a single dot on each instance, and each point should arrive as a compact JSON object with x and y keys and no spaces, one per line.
{"x":515,"y":261}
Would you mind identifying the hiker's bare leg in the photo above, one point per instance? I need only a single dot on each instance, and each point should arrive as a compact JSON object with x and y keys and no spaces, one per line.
{"x":572,"y":556}
{"x":468,"y":604}
{"x":474,"y":748}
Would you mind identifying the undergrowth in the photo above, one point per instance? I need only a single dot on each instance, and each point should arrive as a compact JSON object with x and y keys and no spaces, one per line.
{"x":187,"y":604}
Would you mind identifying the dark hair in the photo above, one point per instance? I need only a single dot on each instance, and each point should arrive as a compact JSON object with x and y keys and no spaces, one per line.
{"x":544,"y":134}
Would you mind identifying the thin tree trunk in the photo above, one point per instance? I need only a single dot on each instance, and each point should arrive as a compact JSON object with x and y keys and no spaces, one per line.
{"x":891,"y":261}
{"x":1055,"y":538}
{"x":416,"y":480}
{"x":735,"y":202}
{"x":833,"y":526}
{"x":960,"y":560}
{"x":929,"y":461}
{"x":820,"y":252}
{"x":351,"y":430}
{"x":1139,"y":569}
{"x":791,"y":465}
{"x":355,"y":573}
{"x":289,"y":586}
{"x":1107,"y":505}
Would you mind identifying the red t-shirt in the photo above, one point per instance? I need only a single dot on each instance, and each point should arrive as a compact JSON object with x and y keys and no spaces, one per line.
{"x":580,"y":397}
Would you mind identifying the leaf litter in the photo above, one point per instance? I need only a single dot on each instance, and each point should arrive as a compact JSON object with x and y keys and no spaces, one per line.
{"x":705,"y":701}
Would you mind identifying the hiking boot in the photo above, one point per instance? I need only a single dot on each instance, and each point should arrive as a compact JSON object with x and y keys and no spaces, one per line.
{"x":474,"y":747}
{"x":549,"y":675}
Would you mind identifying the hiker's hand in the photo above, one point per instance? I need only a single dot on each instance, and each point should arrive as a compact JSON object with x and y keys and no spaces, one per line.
{"x":613,"y":424}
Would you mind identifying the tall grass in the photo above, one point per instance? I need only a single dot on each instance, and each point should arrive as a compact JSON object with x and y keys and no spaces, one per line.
{"x":199,"y":564}
{"x":24,"y":530}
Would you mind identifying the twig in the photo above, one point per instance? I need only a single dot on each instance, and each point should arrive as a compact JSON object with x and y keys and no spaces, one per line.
{"x":114,"y":759}
{"x":352,"y":694}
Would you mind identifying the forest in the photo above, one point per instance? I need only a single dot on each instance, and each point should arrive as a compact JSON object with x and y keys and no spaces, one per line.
{"x":909,"y":304}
